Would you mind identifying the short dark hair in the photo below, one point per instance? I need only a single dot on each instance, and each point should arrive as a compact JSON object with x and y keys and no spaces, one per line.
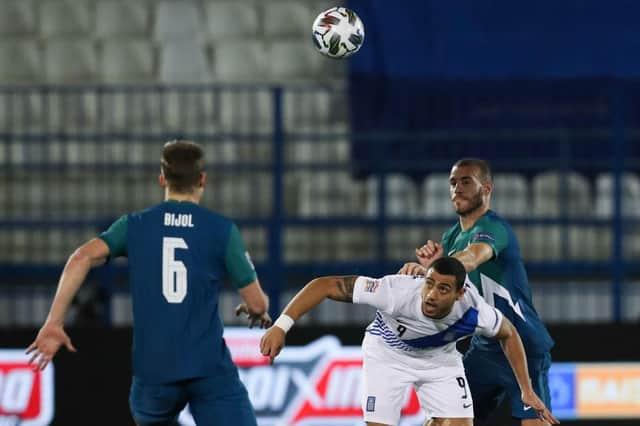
{"x":451,"y":266}
{"x":182,"y":165}
{"x":485,"y":175}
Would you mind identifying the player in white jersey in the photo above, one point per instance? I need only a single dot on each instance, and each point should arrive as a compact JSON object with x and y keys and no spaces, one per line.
{"x":412,"y":341}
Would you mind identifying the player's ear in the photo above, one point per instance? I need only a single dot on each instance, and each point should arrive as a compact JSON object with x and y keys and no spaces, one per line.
{"x":203,"y":179}
{"x":162,"y":181}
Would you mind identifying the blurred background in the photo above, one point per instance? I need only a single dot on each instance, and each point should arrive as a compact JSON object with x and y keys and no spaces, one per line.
{"x":328,"y":166}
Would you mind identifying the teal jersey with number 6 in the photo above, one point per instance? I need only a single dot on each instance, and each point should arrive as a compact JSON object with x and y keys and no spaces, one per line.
{"x":179,"y":254}
{"x":502,"y":281}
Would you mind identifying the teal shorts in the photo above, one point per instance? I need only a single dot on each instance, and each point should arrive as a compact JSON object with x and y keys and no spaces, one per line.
{"x":212,"y":401}
{"x":491,"y":380}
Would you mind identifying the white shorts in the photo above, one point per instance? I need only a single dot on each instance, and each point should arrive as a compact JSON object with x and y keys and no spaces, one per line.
{"x":441,"y":386}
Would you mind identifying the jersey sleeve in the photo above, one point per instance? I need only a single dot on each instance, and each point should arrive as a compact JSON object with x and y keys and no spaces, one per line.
{"x":492,"y":233}
{"x":446,"y":240}
{"x":116,"y":237}
{"x":377,"y":292}
{"x":237,"y":260}
{"x":489,"y":318}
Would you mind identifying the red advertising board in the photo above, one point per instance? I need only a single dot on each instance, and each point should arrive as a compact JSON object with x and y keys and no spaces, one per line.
{"x":26,"y":396}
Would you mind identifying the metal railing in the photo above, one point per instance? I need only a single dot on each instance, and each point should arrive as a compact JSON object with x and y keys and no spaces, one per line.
{"x":281,"y":163}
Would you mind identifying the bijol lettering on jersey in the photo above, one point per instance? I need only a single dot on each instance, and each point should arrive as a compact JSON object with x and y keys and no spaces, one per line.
{"x":179,"y":253}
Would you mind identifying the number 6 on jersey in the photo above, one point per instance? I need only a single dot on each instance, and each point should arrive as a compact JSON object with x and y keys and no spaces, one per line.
{"x":174,"y":273}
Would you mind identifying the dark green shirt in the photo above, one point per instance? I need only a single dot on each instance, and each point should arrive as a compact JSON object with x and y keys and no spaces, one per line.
{"x":502,"y":280}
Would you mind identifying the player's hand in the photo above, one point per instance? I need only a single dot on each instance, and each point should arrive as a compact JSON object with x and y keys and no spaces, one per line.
{"x":412,"y":268}
{"x":531,"y":400}
{"x":428,"y":253}
{"x":264,"y":319}
{"x":47,"y":343}
{"x":272,"y":342}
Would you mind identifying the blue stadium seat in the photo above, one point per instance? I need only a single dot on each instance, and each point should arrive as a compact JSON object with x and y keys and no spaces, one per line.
{"x":293,"y":59}
{"x":297,"y":15}
{"x":241,"y":60}
{"x":630,"y":209}
{"x":20,"y":61}
{"x":232,"y":19}
{"x":17,"y":18}
{"x":402,"y":198}
{"x":70,"y":60}
{"x":556,"y":195}
{"x":65,"y":18}
{"x":122,"y":18}
{"x":510,"y":196}
{"x":125,"y":60}
{"x":184,"y":62}
{"x":436,"y":201}
{"x":178,"y":21}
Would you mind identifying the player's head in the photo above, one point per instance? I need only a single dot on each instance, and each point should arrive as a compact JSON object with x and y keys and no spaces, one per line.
{"x":470,"y":185}
{"x":444,"y":284}
{"x":182,"y":167}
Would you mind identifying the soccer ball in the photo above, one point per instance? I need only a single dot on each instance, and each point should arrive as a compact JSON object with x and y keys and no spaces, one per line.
{"x":338,"y":32}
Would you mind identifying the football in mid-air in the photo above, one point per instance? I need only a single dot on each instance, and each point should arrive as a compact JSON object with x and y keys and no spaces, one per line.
{"x":338,"y":32}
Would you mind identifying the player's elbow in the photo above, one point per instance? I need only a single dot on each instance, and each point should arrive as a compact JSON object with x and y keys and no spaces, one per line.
{"x":80,"y":257}
{"x":507,"y":331}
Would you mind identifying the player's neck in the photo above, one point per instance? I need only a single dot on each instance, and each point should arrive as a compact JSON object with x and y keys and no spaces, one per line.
{"x":178,"y":196}
{"x":467,"y":221}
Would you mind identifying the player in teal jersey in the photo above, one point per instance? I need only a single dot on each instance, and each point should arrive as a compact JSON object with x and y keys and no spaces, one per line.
{"x":487,"y":246}
{"x":178,"y":255}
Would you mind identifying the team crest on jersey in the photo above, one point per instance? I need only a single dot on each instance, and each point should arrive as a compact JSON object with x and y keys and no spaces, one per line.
{"x":483,"y":236}
{"x":371,"y":286}
{"x":371,"y":403}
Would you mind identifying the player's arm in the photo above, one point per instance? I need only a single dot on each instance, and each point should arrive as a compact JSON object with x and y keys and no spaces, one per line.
{"x":515,"y":353}
{"x":255,"y":305}
{"x":474,"y":255}
{"x":471,"y":257}
{"x":52,"y":335}
{"x":339,"y":288}
{"x":243,"y":276}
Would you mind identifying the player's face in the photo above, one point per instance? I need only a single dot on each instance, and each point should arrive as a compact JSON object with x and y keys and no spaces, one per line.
{"x":439,"y":293}
{"x":466,"y":190}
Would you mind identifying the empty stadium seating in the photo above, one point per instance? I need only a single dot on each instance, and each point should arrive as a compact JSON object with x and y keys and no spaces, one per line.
{"x":91,"y":88}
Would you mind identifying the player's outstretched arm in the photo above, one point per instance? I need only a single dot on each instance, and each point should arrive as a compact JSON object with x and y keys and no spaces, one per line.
{"x":52,"y":335}
{"x":335,"y":288}
{"x":514,"y":351}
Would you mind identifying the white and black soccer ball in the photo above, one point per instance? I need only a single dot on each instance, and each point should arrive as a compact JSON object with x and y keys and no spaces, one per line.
{"x":338,"y":32}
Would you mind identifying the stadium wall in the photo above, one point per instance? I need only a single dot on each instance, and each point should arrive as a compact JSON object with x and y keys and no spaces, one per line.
{"x":92,"y":385}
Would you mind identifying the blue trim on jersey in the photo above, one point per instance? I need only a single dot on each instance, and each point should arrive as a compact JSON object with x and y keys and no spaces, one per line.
{"x":461,"y":328}
{"x":379,"y":328}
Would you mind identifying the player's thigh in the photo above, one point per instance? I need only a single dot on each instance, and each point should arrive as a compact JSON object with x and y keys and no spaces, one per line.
{"x":156,"y":404}
{"x":220,"y":401}
{"x":385,"y":386}
{"x":488,"y":377}
{"x":447,"y":395}
{"x":539,"y":373}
